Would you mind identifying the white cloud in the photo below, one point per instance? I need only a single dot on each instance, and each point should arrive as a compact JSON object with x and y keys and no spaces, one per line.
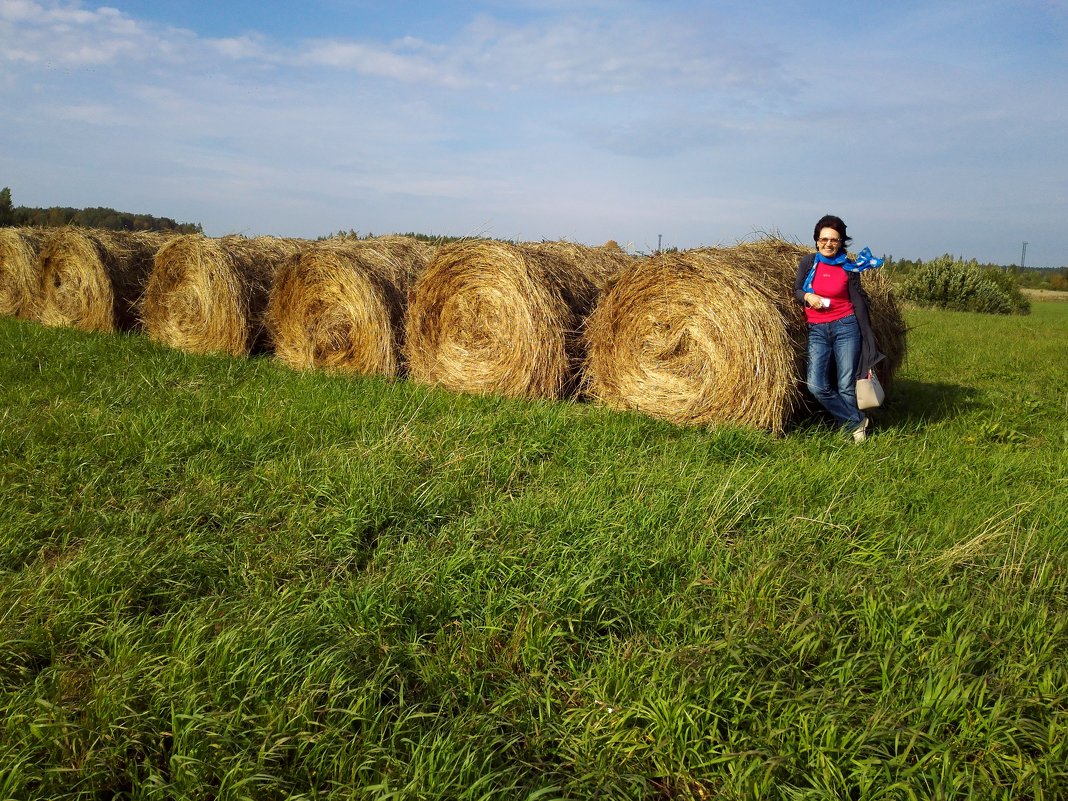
{"x":609,"y":55}
{"x":376,"y":61}
{"x":68,"y":35}
{"x":99,"y":114}
{"x":19,"y":10}
{"x":239,"y":48}
{"x":584,"y":55}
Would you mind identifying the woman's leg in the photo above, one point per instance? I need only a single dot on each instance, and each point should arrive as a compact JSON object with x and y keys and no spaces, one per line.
{"x":820,"y":351}
{"x":846,"y":356}
{"x":839,"y":340}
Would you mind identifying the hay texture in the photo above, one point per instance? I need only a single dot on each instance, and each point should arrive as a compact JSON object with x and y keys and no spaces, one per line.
{"x":20,"y":272}
{"x":492,"y":317}
{"x":340,"y":304}
{"x":714,"y":336}
{"x":208,"y":295}
{"x":92,"y":279}
{"x":887,"y":322}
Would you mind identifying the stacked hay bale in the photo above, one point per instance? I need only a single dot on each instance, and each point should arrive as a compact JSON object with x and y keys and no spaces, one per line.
{"x":92,"y":279}
{"x":340,"y":304}
{"x":491,"y":317}
{"x":715,"y":336}
{"x":20,"y":272}
{"x":208,"y":295}
{"x":887,"y":323}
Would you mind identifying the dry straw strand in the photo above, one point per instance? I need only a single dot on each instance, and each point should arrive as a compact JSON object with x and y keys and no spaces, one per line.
{"x":208,"y":295}
{"x":92,"y":279}
{"x":340,"y":304}
{"x":492,"y":317}
{"x":714,"y":336}
{"x":20,"y":272}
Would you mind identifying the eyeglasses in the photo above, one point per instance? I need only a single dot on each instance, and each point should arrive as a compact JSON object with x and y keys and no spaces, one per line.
{"x":829,"y":241}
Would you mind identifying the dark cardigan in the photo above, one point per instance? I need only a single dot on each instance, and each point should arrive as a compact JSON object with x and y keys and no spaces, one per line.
{"x":869,"y":351}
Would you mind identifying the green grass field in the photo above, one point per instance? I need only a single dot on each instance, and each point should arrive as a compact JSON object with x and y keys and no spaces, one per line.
{"x":222,"y":579}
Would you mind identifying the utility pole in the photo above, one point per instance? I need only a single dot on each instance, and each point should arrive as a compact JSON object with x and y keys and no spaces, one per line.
{"x":1023,"y":255}
{"x":659,"y":239}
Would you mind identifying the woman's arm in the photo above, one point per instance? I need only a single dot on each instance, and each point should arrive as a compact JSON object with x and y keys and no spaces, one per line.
{"x":803,"y":297}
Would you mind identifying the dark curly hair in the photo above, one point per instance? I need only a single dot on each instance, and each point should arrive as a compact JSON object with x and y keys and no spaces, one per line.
{"x":830,"y":221}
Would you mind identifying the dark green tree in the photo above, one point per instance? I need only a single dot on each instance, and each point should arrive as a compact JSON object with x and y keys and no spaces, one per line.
{"x":96,"y":217}
{"x":7,"y":213}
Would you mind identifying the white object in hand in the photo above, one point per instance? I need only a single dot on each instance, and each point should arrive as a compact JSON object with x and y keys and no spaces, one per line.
{"x":825,"y":302}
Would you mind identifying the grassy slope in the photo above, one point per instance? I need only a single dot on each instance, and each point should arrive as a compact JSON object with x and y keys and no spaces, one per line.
{"x":222,"y":579}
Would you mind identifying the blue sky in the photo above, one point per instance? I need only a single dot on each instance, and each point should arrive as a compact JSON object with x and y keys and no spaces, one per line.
{"x":930,"y":127}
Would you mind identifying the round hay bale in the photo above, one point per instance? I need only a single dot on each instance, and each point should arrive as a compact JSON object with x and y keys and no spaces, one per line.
{"x":595,"y":264}
{"x":492,"y":317}
{"x":887,"y":322}
{"x":20,"y":272}
{"x":92,"y":279}
{"x":208,"y":295}
{"x":693,"y":339}
{"x":714,"y":336}
{"x":339,"y":304}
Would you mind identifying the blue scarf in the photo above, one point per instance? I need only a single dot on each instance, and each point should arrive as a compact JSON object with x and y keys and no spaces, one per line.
{"x":864,"y":261}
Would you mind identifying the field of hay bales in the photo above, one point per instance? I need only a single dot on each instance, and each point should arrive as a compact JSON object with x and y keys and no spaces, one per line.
{"x":225,"y":578}
{"x":702,"y":337}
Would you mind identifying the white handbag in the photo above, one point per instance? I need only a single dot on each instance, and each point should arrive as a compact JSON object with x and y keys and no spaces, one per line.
{"x":870,"y":393}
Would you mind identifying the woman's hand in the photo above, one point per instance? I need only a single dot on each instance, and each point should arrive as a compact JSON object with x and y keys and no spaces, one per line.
{"x":813,"y":300}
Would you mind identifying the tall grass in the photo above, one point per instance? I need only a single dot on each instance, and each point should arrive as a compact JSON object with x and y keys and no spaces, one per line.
{"x":222,"y":579}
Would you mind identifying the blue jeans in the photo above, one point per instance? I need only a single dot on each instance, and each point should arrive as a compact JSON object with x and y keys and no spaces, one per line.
{"x":838,"y":341}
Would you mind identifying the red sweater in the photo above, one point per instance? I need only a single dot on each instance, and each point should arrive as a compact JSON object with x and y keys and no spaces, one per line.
{"x":830,"y":282}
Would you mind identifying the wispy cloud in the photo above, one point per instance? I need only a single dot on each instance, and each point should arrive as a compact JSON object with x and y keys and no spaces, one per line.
{"x":601,"y":55}
{"x":394,"y":63}
{"x":66,"y":35}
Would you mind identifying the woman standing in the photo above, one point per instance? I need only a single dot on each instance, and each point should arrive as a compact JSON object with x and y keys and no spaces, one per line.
{"x":841,"y":345}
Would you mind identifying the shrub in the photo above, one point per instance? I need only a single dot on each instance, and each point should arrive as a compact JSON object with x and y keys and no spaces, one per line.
{"x":949,"y":283}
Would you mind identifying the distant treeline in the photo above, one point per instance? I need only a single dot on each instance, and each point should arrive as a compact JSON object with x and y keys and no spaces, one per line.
{"x":433,"y":239}
{"x":100,"y":217}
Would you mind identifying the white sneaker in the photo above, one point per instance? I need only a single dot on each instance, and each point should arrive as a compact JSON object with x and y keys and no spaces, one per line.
{"x":861,"y":432}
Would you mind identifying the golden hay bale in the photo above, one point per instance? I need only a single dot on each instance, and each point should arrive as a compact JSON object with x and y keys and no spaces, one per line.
{"x":487,"y":316}
{"x":714,"y":336}
{"x":339,"y":304}
{"x":596,"y":264}
{"x":689,"y":338}
{"x":92,"y":279}
{"x":208,"y":295}
{"x":20,"y":272}
{"x":887,"y":323}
